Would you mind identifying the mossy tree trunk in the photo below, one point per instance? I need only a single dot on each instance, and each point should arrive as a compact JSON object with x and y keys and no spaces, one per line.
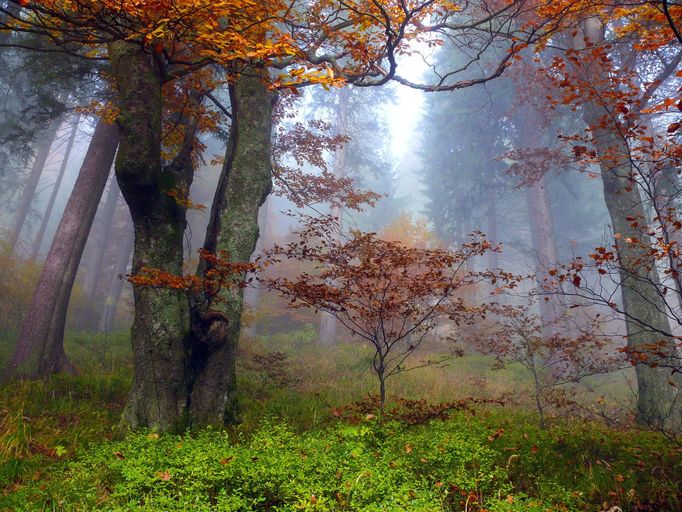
{"x":160,"y":341}
{"x":245,"y":182}
{"x":40,"y":348}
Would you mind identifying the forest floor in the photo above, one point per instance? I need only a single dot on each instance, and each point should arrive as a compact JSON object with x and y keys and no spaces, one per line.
{"x":311,"y":439}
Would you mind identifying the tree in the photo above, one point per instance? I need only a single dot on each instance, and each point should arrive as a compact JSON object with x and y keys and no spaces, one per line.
{"x":37,"y":243}
{"x":40,"y":348}
{"x":384,"y":292}
{"x":170,"y":45}
{"x":613,"y":90}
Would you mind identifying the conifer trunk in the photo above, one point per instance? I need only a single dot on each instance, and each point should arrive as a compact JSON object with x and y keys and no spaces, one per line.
{"x":107,"y":215}
{"x":40,"y":348}
{"x":37,"y":243}
{"x":31,"y":184}
{"x":328,"y":322}
{"x":115,"y":287}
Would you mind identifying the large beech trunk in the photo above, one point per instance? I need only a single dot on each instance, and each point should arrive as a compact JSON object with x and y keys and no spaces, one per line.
{"x":40,"y":348}
{"x":245,"y":182}
{"x":658,"y":402}
{"x":159,"y":335}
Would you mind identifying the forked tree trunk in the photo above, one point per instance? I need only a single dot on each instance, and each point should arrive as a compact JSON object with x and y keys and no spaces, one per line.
{"x":159,"y":335}
{"x":38,"y":242}
{"x":40,"y":348}
{"x":244,"y":184}
{"x":30,"y":185}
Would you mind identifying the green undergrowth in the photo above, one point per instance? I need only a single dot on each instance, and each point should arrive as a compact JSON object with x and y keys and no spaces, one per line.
{"x":475,"y":462}
{"x":301,"y":446}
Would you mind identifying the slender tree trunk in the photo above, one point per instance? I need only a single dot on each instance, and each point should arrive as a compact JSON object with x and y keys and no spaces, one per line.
{"x":159,"y":335}
{"x":40,"y":349}
{"x":30,"y":185}
{"x":544,"y":243}
{"x":55,"y":191}
{"x":245,"y":182}
{"x":493,"y":257}
{"x":328,"y":323}
{"x":107,"y":214}
{"x":116,"y":284}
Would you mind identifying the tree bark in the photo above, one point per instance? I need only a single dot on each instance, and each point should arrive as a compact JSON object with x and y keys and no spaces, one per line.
{"x":38,"y":242}
{"x":244,"y":184}
{"x":40,"y":348}
{"x":658,"y":403}
{"x":493,"y":257}
{"x":29,"y":190}
{"x":544,"y":243}
{"x":159,"y":335}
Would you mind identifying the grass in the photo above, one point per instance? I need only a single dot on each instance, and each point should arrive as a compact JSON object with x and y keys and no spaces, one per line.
{"x":301,"y":447}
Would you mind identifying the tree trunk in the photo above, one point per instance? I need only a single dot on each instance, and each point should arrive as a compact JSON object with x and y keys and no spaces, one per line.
{"x":658,"y":403}
{"x":329,"y":323}
{"x":493,"y":257}
{"x":29,"y":190}
{"x":107,"y":213}
{"x":40,"y":349}
{"x":244,"y":184}
{"x":159,"y":335}
{"x":544,"y":243}
{"x":116,"y":283}
{"x":38,"y":242}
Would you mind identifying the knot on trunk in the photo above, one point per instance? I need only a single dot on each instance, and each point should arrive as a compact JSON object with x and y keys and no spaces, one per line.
{"x":211,"y":329}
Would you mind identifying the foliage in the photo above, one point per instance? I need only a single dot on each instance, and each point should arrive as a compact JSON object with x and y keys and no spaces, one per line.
{"x":467,"y":463}
{"x":386,"y":293}
{"x":555,"y":355}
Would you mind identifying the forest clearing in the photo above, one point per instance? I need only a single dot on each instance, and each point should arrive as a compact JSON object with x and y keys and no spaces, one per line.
{"x":340,"y":255}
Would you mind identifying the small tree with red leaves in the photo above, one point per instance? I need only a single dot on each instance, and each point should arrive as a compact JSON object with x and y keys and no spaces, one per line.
{"x":385,"y":292}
